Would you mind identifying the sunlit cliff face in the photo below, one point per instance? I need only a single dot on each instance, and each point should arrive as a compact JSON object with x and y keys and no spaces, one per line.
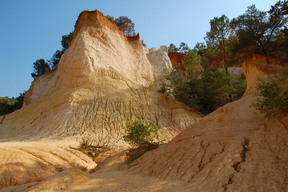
{"x":102,"y":81}
{"x":101,"y":49}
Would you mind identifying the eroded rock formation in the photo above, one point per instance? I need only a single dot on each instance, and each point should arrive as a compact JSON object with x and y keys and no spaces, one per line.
{"x":232,"y":149}
{"x":103,"y":80}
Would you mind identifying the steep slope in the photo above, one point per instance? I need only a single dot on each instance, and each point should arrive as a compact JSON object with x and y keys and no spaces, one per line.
{"x":232,"y":149}
{"x":103,"y":80}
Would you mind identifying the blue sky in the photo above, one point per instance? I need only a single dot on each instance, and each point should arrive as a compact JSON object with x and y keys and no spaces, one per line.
{"x":32,"y":29}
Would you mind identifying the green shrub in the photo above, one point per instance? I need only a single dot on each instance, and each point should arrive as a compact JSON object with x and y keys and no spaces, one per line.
{"x":140,"y":133}
{"x":271,"y":97}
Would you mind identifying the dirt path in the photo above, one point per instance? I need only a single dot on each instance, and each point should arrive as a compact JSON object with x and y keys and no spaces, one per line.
{"x":105,"y":181}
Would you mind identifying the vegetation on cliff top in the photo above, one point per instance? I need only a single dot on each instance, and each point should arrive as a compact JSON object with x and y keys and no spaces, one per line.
{"x":228,"y":43}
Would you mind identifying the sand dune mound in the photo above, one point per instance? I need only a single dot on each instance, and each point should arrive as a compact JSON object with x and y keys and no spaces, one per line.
{"x":232,"y":149}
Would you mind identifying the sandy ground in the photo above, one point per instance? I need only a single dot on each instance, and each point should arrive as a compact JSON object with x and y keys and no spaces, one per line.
{"x":104,"y":181}
{"x":50,"y":166}
{"x":123,"y":181}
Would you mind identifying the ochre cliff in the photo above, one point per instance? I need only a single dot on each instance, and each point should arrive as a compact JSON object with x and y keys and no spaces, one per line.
{"x":103,"y":80}
{"x":177,"y":60}
{"x":232,"y":149}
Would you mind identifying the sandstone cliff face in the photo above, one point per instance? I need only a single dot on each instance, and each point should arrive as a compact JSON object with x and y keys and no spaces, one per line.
{"x":232,"y":149}
{"x":102,"y":81}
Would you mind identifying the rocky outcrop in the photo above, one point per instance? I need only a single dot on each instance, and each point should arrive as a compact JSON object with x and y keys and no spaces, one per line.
{"x":103,"y":80}
{"x":232,"y":149}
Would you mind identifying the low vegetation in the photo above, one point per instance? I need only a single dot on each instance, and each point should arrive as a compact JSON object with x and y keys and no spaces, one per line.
{"x":141,"y":135}
{"x":272,"y":98}
{"x":92,"y":147}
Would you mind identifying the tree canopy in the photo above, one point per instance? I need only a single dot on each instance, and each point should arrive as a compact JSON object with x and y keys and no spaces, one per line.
{"x":126,"y":25}
{"x":66,"y":39}
{"x":172,"y":48}
{"x":230,"y":41}
{"x":41,"y":65}
{"x":208,"y":90}
{"x":192,"y":62}
{"x":263,"y":32}
{"x":219,"y":40}
{"x":227,"y":43}
{"x":8,"y":105}
{"x":183,"y":48}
